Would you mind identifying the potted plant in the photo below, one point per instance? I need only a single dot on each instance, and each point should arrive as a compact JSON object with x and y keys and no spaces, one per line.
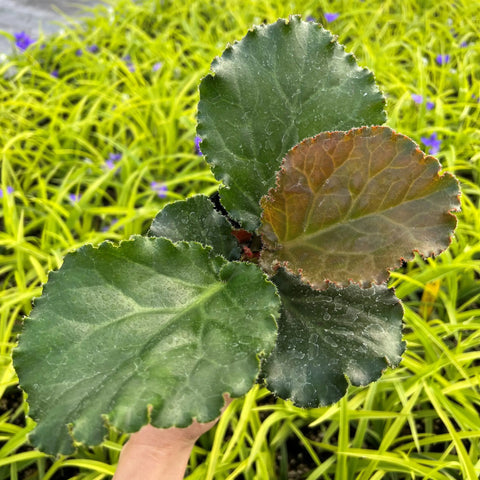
{"x":284,"y":282}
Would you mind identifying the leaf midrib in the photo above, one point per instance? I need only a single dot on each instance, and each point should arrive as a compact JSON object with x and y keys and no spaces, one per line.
{"x":209,"y":292}
{"x":182,"y":310}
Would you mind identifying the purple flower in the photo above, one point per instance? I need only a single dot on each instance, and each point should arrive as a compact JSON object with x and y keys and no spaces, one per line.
{"x":112,"y":158}
{"x":159,"y":188}
{"x":79,"y":52}
{"x":23,"y":41}
{"x":417,"y":98}
{"x":197,"y":145}
{"x":54,"y":73}
{"x":128,"y":60}
{"x":74,"y":197}
{"x":331,"y":17}
{"x":9,"y":191}
{"x":464,"y":45}
{"x":93,"y":48}
{"x":157,"y":66}
{"x":310,"y":19}
{"x":432,"y":143}
{"x":115,"y":157}
{"x":443,"y":59}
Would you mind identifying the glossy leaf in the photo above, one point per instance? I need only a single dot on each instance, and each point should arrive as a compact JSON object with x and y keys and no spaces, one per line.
{"x":280,"y":84}
{"x":149,"y":331}
{"x":196,"y":219}
{"x":349,"y":206}
{"x":326,"y":336}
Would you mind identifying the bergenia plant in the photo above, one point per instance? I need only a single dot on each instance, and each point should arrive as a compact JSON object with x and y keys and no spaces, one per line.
{"x":283,"y":282}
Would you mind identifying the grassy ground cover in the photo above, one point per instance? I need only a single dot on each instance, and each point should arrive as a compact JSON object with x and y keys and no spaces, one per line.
{"x":97,"y":133}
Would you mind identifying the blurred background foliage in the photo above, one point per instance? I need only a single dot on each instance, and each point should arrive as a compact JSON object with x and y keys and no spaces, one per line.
{"x":97,"y":133}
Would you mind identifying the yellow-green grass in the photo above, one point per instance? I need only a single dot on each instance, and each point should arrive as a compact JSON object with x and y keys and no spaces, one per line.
{"x":56,"y":134}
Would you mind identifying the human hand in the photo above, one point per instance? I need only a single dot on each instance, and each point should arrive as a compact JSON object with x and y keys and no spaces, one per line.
{"x":160,"y":454}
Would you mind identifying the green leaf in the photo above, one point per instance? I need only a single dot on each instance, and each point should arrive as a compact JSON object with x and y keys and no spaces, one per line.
{"x":149,"y":331}
{"x":327,"y":335}
{"x":349,"y":206}
{"x":280,"y":84}
{"x":196,"y":219}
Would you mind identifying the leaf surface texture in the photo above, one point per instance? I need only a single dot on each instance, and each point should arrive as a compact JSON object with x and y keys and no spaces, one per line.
{"x":350,"y":206}
{"x":149,"y":331}
{"x":196,"y":219}
{"x":328,"y":336}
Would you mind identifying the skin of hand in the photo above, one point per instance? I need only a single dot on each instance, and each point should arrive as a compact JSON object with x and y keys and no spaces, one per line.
{"x":160,"y":454}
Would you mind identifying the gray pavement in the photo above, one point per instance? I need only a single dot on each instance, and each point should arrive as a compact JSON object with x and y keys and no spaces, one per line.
{"x":33,"y":16}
